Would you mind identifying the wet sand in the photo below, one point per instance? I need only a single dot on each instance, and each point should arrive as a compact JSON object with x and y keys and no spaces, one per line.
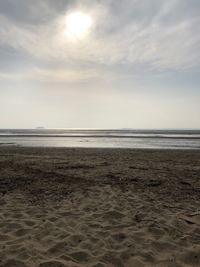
{"x":99,"y":207}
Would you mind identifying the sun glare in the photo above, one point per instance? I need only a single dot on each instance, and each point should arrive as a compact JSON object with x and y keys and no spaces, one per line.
{"x":78,"y":24}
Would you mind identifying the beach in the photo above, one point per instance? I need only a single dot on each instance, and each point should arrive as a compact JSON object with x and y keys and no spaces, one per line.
{"x":96,"y":207}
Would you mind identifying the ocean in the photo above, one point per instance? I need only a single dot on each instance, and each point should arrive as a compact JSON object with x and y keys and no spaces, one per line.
{"x":103,"y":138}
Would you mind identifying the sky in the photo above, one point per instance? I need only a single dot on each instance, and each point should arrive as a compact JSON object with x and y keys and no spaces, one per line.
{"x":137,"y":65}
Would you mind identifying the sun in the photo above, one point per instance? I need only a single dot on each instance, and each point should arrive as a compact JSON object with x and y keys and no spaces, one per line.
{"x":78,"y":24}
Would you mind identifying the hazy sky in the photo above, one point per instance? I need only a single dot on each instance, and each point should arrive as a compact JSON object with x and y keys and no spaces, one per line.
{"x":138,"y":65}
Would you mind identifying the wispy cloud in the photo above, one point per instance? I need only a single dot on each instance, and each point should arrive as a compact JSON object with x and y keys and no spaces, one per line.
{"x":160,"y":44}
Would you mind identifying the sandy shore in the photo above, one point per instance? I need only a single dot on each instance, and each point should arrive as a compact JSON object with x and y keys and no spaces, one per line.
{"x":99,"y":207}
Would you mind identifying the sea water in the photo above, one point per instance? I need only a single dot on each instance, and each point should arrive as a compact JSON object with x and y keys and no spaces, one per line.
{"x":111,"y":138}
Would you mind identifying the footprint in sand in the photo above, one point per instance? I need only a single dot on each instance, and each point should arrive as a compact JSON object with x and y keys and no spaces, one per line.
{"x":22,"y":232}
{"x":191,"y":258}
{"x":14,"y":263}
{"x":52,"y":264}
{"x":113,"y":215}
{"x":80,"y":256}
{"x":98,"y":265}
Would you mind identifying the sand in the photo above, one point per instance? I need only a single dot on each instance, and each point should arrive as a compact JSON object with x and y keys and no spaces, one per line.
{"x":99,"y":207}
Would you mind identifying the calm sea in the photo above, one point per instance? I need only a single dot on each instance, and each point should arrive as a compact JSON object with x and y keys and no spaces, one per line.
{"x":123,"y":138}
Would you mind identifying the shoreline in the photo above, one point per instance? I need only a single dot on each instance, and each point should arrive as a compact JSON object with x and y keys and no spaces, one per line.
{"x":99,"y":147}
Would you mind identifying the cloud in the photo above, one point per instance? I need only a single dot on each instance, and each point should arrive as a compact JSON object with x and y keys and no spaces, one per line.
{"x":158,"y":33}
{"x":10,"y":77}
{"x":32,"y":12}
{"x":57,"y":75}
{"x":63,"y":75}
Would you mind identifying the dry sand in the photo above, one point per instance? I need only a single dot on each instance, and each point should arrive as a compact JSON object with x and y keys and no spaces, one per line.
{"x":99,"y":207}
